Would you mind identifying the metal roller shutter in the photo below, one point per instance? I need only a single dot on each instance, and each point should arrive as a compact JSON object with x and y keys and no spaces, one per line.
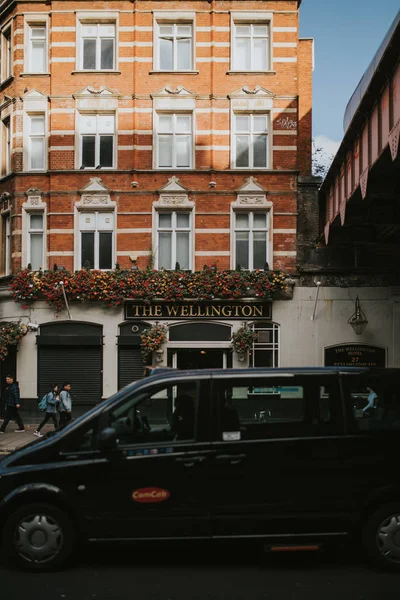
{"x":82,"y":367}
{"x":130,"y":365}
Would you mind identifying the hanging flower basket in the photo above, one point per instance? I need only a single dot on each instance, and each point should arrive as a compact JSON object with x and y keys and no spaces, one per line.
{"x":152,"y":339}
{"x":10,"y":335}
{"x":242,"y":341}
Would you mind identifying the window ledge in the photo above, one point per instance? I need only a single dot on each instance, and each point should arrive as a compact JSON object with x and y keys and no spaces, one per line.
{"x":101,"y":72}
{"x":34,"y":74}
{"x":158,"y":72}
{"x":251,"y":72}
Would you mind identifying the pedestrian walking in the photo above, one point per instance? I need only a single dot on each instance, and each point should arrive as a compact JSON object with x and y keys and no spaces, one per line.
{"x":65,"y":405}
{"x":51,"y":410}
{"x":12,"y":405}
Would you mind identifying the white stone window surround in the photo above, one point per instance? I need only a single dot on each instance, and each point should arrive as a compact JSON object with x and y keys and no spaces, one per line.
{"x":31,"y":21}
{"x":7,"y":51}
{"x":95,"y":197}
{"x":258,"y":101}
{"x":6,"y":115}
{"x":252,"y":18}
{"x":173,"y":197}
{"x":252,"y":197}
{"x":35,"y":104}
{"x":176,"y":101}
{"x":168,"y":17}
{"x":33,"y":206}
{"x":95,"y":18}
{"x":90,"y":102}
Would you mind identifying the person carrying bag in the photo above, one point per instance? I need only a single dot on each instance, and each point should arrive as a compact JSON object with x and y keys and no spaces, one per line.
{"x":65,"y":405}
{"x":51,"y":410}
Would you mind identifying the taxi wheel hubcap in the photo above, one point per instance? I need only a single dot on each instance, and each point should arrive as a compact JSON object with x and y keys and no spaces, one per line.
{"x":388,"y":538}
{"x":38,"y":538}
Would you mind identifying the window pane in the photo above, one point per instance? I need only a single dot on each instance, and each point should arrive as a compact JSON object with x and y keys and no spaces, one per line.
{"x":183,"y":123}
{"x":37,"y":125}
{"x":183,"y":151}
{"x":260,"y":54}
{"x":260,"y":220}
{"x":105,"y":124}
{"x":259,"y":250}
{"x":184,"y":54}
{"x":36,"y":251}
{"x":38,"y":32}
{"x":105,"y":250}
{"x":88,"y":144}
{"x":107,"y":30}
{"x":242,"y":250}
{"x":182,"y":250}
{"x":184,"y":30}
{"x":242,"y":150}
{"x":107,"y":54}
{"x":37,"y":153}
{"x":87,"y":253}
{"x":88,"y":124}
{"x":260,"y":30}
{"x":243,"y":30}
{"x":105,"y":221}
{"x":242,"y":123}
{"x":165,"y":123}
{"x":164,"y":151}
{"x":89,"y":54}
{"x":260,"y":123}
{"x":242,"y":54}
{"x":260,"y":151}
{"x":166,"y":29}
{"x":106,"y":151}
{"x":242,"y":220}
{"x":37,"y":58}
{"x":164,"y":219}
{"x":182,"y":220}
{"x":164,"y":250}
{"x":166,"y":54}
{"x":36,"y":222}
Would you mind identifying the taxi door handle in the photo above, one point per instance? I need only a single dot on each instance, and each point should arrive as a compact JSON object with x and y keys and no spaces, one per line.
{"x":190,"y":461}
{"x":233,"y":459}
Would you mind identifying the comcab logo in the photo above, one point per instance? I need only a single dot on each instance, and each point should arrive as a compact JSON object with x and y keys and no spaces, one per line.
{"x":150,"y":494}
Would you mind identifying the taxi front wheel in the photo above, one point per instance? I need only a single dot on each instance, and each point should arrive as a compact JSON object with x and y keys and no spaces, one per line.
{"x":381,"y":537}
{"x":38,"y":537}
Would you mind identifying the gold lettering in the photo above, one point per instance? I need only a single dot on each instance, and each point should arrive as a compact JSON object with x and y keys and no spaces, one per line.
{"x":227,"y":311}
{"x":200,"y":313}
{"x":216,"y":311}
{"x":257,"y":311}
{"x":172,"y":311}
{"x":157,"y":311}
{"x":184,"y":311}
{"x":237,"y":311}
{"x":191,"y":313}
{"x":136,"y":311}
{"x":246,"y":311}
{"x":147,"y":311}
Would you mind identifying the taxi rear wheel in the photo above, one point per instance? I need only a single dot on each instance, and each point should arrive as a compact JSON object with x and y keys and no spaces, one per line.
{"x":38,"y":537}
{"x":381,"y":537}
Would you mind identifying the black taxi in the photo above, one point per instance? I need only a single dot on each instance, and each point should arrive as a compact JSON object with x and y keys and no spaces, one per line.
{"x":290,"y":456}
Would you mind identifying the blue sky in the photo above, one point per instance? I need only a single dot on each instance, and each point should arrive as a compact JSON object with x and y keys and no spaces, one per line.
{"x":346,"y":33}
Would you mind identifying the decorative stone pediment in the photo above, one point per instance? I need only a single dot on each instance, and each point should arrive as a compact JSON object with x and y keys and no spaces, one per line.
{"x":95,"y":193}
{"x":178,"y":98}
{"x":34,"y":100}
{"x":34,"y":199}
{"x":252,"y":195}
{"x":90,"y":98}
{"x":258,"y":98}
{"x":91,"y":91}
{"x":173,"y":194}
{"x":169,"y":91}
{"x":33,"y":94}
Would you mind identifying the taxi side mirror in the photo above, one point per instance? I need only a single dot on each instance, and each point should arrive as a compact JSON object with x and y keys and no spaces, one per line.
{"x":107,"y":439}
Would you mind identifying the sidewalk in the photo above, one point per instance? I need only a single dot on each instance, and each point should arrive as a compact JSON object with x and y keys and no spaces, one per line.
{"x":11,"y":440}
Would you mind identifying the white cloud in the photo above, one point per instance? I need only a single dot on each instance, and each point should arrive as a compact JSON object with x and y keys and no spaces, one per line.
{"x":324,"y":149}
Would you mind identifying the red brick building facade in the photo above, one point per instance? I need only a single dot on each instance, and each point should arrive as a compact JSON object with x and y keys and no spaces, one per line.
{"x":170,"y":133}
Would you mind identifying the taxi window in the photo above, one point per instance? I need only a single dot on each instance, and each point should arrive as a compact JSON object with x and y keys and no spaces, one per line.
{"x":276,"y":408}
{"x":374,"y":403}
{"x":166,"y":413}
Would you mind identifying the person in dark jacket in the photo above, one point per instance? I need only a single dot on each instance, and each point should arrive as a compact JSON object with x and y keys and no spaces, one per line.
{"x":12,"y":404}
{"x":52,"y":401}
